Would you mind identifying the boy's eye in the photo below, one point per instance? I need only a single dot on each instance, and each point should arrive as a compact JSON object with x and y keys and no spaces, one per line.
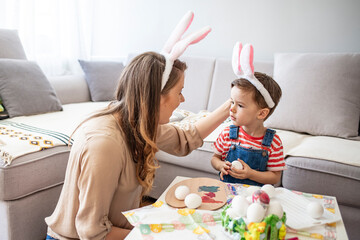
{"x":240,"y":105}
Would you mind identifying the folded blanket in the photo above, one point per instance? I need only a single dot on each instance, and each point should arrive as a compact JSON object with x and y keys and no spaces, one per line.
{"x":17,"y":139}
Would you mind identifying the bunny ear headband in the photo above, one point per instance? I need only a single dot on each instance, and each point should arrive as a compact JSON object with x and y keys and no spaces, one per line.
{"x":242,"y":64}
{"x":175,"y":46}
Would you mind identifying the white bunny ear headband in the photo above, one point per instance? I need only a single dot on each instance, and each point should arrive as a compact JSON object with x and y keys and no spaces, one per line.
{"x":242,"y":64}
{"x":175,"y":46}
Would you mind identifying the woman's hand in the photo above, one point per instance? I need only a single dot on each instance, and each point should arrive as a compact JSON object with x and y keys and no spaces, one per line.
{"x":244,"y":173}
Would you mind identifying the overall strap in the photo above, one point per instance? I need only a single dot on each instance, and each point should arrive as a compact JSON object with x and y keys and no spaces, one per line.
{"x":269,"y":135}
{"x":233,"y":132}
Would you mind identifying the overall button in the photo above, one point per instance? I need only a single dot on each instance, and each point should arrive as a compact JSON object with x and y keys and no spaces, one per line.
{"x":264,"y":153}
{"x":233,"y":147}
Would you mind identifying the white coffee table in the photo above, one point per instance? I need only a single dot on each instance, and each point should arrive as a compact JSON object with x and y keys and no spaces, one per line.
{"x":340,"y":228}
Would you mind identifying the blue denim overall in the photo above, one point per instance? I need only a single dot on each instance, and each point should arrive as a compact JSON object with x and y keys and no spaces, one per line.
{"x":256,"y":158}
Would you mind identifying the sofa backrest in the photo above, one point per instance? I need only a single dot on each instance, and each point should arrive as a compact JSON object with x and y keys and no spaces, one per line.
{"x":208,"y":80}
{"x":71,"y":88}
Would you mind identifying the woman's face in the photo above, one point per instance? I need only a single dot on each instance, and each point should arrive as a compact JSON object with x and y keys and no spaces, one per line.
{"x":170,"y":101}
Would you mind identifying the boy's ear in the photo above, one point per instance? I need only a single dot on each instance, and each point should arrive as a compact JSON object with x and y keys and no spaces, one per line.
{"x":263,"y":113}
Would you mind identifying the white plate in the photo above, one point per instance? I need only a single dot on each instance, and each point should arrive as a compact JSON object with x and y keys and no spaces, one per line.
{"x":295,"y":207}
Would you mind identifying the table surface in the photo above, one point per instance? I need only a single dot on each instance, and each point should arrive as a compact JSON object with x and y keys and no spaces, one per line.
{"x":340,"y":228}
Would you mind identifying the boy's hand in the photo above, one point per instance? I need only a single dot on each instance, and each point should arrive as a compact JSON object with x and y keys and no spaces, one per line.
{"x":224,"y":169}
{"x":244,"y":173}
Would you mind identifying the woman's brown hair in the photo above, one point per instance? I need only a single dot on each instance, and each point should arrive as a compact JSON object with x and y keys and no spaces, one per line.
{"x":137,"y":109}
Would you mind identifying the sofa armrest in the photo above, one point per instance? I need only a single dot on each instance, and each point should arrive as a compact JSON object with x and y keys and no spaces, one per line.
{"x":70,"y":88}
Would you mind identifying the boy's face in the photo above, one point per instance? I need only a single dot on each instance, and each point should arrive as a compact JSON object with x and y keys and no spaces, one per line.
{"x":244,"y":111}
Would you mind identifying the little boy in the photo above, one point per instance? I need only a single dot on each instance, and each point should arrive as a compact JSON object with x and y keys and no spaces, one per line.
{"x":258,"y":149}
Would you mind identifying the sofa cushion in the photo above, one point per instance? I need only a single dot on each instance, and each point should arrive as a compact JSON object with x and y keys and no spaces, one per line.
{"x":323,"y":177}
{"x":198,"y":77}
{"x":25,"y":90}
{"x":320,"y":94}
{"x":10,"y":45}
{"x":102,"y":78}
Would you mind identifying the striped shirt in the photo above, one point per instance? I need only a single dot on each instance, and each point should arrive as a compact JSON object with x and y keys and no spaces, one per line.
{"x":276,"y":160}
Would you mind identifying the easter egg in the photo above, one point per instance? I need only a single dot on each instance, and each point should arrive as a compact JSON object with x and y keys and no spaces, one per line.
{"x":315,"y":209}
{"x":275,"y":208}
{"x":269,"y":189}
{"x":237,"y":165}
{"x":193,"y":200}
{"x":255,"y":212}
{"x":260,"y":196}
{"x":250,"y":190}
{"x":240,"y":205}
{"x":181,"y":192}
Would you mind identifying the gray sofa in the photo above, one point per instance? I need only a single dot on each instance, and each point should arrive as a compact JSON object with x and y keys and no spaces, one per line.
{"x":31,"y":184}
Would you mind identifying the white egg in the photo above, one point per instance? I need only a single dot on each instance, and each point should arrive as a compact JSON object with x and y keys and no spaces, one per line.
{"x":193,"y":200}
{"x":181,"y":192}
{"x":315,"y":209}
{"x":240,"y":204}
{"x":275,"y":208}
{"x":250,"y":190}
{"x":232,"y":213}
{"x":255,"y":213}
{"x":269,"y":189}
{"x":237,"y":165}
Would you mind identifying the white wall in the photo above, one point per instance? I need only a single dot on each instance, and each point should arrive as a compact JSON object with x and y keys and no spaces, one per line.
{"x":124,"y":26}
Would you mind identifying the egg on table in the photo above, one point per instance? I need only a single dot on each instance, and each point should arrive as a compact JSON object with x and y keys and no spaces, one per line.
{"x":181,"y":192}
{"x":250,"y":190}
{"x":193,"y":200}
{"x":275,"y":208}
{"x":255,"y":212}
{"x":269,"y":189}
{"x":240,"y":204}
{"x":315,"y":209}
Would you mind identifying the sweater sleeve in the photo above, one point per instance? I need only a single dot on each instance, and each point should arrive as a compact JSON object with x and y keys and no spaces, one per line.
{"x":100,"y":172}
{"x":178,"y":141}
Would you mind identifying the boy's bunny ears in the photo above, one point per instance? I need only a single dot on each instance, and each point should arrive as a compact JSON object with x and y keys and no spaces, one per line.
{"x":175,"y":46}
{"x":242,"y":64}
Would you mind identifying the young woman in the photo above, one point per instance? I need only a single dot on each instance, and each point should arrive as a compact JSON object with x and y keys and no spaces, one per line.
{"x":112,"y":161}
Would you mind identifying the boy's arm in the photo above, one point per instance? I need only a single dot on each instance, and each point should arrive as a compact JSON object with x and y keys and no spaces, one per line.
{"x":220,"y":165}
{"x":267,"y":177}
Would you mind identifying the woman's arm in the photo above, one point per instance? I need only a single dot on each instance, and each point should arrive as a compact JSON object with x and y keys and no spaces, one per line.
{"x":208,"y":124}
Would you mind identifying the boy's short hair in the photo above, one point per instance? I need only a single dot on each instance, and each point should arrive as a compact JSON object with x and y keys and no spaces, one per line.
{"x":270,"y":85}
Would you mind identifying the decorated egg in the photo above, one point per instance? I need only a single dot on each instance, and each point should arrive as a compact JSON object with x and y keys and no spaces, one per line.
{"x":232,"y":213}
{"x":237,"y":165}
{"x":275,"y":208}
{"x":269,"y":189}
{"x":181,"y":192}
{"x":315,"y":209}
{"x":240,"y":204}
{"x":260,"y":196}
{"x":255,"y":213}
{"x":193,"y":200}
{"x":250,"y":190}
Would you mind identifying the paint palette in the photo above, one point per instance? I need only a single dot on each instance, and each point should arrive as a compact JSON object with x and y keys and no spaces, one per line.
{"x":212,"y":193}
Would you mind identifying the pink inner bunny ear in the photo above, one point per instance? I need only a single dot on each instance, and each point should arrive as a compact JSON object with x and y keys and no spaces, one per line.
{"x":236,"y":59}
{"x":251,"y":58}
{"x":179,"y":30}
{"x":246,"y":60}
{"x":205,"y":31}
{"x":181,"y":46}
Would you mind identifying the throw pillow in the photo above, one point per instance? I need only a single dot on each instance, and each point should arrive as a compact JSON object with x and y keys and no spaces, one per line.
{"x":10,"y":45}
{"x":320,"y":93}
{"x":25,"y":90}
{"x":102,"y":78}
